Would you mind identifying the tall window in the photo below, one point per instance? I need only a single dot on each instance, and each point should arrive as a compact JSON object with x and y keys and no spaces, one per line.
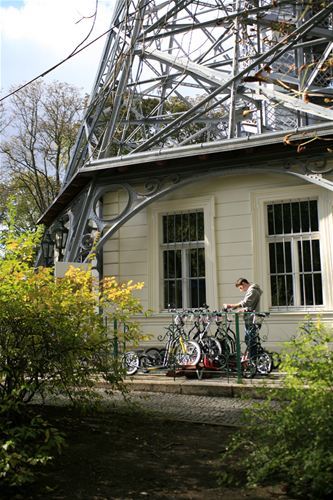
{"x":294,"y":253}
{"x":183,"y":257}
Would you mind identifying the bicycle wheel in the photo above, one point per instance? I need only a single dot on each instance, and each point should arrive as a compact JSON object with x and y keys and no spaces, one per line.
{"x":222,"y":361}
{"x":264,"y":363}
{"x":130,"y":362}
{"x":190,"y":355}
{"x":144,"y":363}
{"x":249,"y":368}
{"x":226,"y":346}
{"x":154,"y":356}
{"x":211,"y":347}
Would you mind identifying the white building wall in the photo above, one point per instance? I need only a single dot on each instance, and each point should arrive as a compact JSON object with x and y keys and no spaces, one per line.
{"x":239,"y":239}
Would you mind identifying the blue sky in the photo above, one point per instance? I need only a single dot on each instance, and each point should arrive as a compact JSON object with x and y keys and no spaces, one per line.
{"x":37,"y":34}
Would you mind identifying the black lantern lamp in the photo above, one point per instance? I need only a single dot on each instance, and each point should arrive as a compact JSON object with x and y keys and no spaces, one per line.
{"x":61,"y":235}
{"x":47,"y":249}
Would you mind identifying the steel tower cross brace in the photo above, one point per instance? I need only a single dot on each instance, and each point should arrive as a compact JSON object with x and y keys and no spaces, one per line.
{"x":185,"y":79}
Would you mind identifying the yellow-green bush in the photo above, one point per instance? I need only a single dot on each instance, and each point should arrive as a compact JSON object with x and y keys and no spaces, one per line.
{"x":53,"y":340}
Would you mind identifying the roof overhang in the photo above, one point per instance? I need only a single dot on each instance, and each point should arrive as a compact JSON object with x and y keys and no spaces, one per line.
{"x":237,"y":153}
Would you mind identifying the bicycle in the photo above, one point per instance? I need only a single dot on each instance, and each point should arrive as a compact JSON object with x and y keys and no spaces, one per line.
{"x":210,"y":346}
{"x":260,"y":361}
{"x":178,"y":350}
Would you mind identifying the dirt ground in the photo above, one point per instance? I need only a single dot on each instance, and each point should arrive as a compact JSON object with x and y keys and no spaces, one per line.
{"x":131,"y":455}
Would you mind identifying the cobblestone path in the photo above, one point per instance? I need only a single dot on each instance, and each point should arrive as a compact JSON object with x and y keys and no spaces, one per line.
{"x":201,"y":409}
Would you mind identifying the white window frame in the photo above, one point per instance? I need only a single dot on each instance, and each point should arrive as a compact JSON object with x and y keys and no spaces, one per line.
{"x":184,"y":247}
{"x":155,"y":264}
{"x":259,"y":201}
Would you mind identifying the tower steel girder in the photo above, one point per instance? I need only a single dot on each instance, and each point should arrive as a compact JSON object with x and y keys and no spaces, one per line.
{"x":204,"y":74}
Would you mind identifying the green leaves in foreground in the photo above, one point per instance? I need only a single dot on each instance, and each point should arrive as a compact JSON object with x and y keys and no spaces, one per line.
{"x":52,"y":341}
{"x":288,"y":437}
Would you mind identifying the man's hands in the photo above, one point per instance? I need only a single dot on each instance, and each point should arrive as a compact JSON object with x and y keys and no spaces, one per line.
{"x":227,"y":307}
{"x":230,"y":306}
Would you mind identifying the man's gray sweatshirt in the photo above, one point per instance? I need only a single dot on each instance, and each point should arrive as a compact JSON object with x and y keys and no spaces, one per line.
{"x":251,"y":299}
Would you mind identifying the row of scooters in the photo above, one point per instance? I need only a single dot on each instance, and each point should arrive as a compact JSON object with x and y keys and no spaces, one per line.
{"x":202,"y":351}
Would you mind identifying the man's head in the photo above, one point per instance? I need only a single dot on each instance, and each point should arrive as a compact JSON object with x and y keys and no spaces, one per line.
{"x":242,"y":284}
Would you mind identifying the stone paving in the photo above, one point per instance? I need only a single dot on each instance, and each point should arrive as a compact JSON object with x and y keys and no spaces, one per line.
{"x":200,"y":409}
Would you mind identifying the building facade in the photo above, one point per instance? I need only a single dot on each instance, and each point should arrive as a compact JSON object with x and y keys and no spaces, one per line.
{"x":191,"y":246}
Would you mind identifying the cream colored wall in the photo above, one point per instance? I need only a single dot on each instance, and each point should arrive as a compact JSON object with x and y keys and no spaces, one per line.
{"x":126,"y":254}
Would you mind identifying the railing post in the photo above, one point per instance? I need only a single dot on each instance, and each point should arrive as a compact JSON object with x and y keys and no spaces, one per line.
{"x":115,"y":338}
{"x":238,"y":350}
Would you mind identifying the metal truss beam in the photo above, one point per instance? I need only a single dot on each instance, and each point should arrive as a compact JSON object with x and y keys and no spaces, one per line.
{"x":283,"y":35}
{"x":215,"y":78}
{"x":214,"y":75}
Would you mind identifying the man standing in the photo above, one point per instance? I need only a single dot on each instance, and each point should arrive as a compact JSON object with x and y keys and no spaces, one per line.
{"x":249,"y":303}
{"x":252,"y":296}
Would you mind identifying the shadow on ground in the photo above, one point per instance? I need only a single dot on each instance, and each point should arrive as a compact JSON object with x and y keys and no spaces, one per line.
{"x":112,"y":455}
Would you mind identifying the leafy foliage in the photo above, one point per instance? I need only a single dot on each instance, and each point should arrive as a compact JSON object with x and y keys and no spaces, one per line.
{"x":39,"y":129}
{"x":25,"y":443}
{"x":52,"y":341}
{"x":289,"y":439}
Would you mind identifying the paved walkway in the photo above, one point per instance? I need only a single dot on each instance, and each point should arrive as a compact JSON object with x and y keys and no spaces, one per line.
{"x":212,"y":401}
{"x":182,"y":407}
{"x":218,"y":401}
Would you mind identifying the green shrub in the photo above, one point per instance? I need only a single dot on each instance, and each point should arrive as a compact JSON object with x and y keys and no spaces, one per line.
{"x":52,"y":341}
{"x":288,"y":439}
{"x":25,"y":442}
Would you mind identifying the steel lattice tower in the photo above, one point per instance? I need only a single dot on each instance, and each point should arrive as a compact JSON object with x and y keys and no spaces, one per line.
{"x":181,"y":76}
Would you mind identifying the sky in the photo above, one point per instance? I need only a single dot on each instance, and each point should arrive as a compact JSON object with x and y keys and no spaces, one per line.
{"x":37,"y":34}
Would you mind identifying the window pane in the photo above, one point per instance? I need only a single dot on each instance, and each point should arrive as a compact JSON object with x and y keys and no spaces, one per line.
{"x":286,"y":218}
{"x":274,"y":291}
{"x":193,"y":270}
{"x":309,"y":255}
{"x":296,"y":220}
{"x":165,"y":264}
{"x":201,"y":262}
{"x":197,"y":293}
{"x":282,"y":290}
{"x":168,"y":229}
{"x":197,"y":262}
{"x":278,"y":219}
{"x":179,"y":294}
{"x":280,"y":258}
{"x":165,"y":228}
{"x":173,"y":294}
{"x":316,"y":266}
{"x":172,"y":264}
{"x":178,"y":264}
{"x":272,"y":258}
{"x":314,"y":215}
{"x":186,"y":227}
{"x":178,"y":227}
{"x":318,"y":288}
{"x":310,"y":282}
{"x":305,"y":216}
{"x":270,"y":219}
{"x":306,"y":289}
{"x":167,"y":300}
{"x":289,"y":290}
{"x":201,"y":230}
{"x":304,"y":255}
